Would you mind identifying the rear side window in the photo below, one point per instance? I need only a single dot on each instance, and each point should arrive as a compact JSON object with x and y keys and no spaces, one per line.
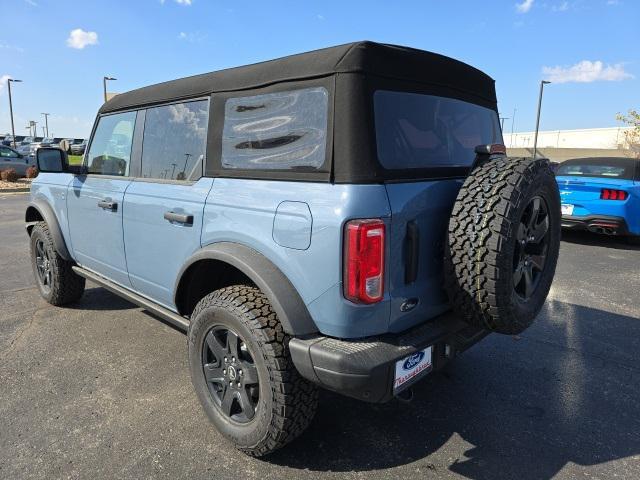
{"x":276,"y":131}
{"x":421,"y":131}
{"x":624,"y":170}
{"x":174,"y":141}
{"x":110,"y":151}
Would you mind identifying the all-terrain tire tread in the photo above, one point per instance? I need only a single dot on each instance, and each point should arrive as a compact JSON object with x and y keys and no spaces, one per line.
{"x":68,"y":286}
{"x":295,"y":399}
{"x":478,"y":273}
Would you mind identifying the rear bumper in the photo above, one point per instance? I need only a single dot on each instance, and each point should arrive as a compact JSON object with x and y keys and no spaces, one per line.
{"x":607,"y":224}
{"x":365,"y":368}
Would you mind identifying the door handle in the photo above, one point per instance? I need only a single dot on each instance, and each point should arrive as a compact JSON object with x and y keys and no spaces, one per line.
{"x":179,"y":218}
{"x":108,"y":205}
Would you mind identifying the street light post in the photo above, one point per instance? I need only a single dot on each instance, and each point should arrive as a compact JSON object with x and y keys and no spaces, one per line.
{"x":535,"y":138}
{"x":13,"y":130}
{"x":502,"y":119}
{"x":104,"y":86}
{"x":46,"y":122}
{"x":513,"y":124}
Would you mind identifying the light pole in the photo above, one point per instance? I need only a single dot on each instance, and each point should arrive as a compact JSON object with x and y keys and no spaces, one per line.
{"x":502,"y":119}
{"x":46,"y":122}
{"x":104,"y":86}
{"x":513,"y":123}
{"x":13,"y":130}
{"x":535,"y":138}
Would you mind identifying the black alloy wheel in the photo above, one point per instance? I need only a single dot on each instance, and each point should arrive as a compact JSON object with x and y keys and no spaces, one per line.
{"x":532,"y":241}
{"x":231,"y":374}
{"x":43,"y":266}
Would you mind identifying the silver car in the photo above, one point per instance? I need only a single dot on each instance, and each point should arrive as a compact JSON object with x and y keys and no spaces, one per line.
{"x":10,"y":158}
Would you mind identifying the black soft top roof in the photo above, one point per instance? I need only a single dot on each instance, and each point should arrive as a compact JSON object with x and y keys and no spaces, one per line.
{"x":380,"y":60}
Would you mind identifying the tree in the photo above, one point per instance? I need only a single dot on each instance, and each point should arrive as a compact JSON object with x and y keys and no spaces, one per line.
{"x":632,"y":136}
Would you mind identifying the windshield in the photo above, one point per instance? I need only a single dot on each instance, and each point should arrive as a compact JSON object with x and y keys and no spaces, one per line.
{"x":420,"y":131}
{"x":623,"y":169}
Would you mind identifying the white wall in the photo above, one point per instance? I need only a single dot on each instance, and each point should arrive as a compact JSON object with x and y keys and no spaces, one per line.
{"x":586,"y":138}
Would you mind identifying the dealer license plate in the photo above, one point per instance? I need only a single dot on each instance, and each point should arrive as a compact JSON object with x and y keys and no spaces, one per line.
{"x":566,"y":209}
{"x":409,"y":368}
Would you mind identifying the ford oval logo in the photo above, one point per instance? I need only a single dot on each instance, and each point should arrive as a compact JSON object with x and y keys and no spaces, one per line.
{"x":413,"y":360}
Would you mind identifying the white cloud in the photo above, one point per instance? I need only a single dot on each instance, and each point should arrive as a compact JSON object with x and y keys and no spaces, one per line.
{"x":586,"y":71}
{"x":320,"y":17}
{"x":525,"y":6}
{"x":186,"y":3}
{"x":3,"y":82}
{"x":192,"y":37}
{"x":561,"y":7}
{"x":6,"y":46}
{"x":79,"y":39}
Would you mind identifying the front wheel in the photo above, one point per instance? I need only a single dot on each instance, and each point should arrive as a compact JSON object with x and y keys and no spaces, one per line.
{"x":243,"y":374}
{"x":57,"y":282}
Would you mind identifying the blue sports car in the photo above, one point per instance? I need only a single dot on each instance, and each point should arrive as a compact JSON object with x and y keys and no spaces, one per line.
{"x":601,"y":195}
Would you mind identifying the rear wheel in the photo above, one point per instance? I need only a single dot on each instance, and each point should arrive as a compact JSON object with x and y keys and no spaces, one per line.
{"x":503,"y":243}
{"x":243,"y":374}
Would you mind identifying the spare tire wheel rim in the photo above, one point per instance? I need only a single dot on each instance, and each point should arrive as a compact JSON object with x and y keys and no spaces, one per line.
{"x":231,"y":374}
{"x":532,"y":244}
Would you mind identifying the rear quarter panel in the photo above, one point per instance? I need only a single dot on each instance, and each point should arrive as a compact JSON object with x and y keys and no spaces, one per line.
{"x":243,"y":211}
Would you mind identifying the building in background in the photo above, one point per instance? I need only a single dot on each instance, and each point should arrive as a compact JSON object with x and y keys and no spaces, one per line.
{"x":601,"y":138}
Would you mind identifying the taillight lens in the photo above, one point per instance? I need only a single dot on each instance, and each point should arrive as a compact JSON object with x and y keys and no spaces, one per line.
{"x":364,"y":260}
{"x":613,"y":194}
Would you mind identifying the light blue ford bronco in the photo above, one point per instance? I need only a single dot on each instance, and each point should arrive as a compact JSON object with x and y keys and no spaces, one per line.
{"x":345,"y":218}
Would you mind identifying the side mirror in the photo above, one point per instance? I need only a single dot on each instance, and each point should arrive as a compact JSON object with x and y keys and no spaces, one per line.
{"x":52,"y":160}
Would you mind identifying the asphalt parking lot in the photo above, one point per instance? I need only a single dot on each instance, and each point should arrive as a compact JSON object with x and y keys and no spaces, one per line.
{"x":102,"y":390}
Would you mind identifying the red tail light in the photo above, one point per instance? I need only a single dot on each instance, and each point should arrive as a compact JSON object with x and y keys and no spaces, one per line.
{"x":364,"y":261}
{"x":612,"y":194}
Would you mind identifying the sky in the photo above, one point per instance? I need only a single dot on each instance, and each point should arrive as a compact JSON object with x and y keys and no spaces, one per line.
{"x":62,"y":49}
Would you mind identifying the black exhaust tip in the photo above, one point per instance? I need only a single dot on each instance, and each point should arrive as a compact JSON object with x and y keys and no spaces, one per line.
{"x":406,"y":395}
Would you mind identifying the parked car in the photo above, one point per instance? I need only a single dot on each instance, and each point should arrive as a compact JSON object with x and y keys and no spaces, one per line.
{"x":69,"y":141}
{"x":8,"y":140}
{"x":78,"y":148}
{"x":10,"y":158}
{"x":52,"y":142}
{"x":601,"y":195}
{"x":356,"y":236}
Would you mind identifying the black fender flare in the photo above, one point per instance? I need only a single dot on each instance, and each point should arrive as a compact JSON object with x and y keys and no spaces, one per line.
{"x":49,"y":216}
{"x":284,"y":298}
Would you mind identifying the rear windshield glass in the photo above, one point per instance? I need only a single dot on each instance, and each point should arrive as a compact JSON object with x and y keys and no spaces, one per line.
{"x":421,"y":131}
{"x":622,"y":171}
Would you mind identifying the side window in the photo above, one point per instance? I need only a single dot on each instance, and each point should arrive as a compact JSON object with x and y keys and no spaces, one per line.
{"x":5,"y":152}
{"x":276,"y":131}
{"x":110,"y":151}
{"x":175,"y":138}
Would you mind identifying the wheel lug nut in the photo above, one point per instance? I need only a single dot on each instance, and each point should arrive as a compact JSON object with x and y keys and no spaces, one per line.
{"x":225,"y":359}
{"x":233,"y":359}
{"x":240,"y":372}
{"x":239,"y":385}
{"x":224,"y":371}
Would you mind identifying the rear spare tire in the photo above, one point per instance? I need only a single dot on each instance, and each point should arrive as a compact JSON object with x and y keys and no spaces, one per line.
{"x":503,"y":243}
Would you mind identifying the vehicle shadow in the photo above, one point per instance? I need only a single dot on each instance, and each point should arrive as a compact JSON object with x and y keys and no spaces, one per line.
{"x":101,"y":299}
{"x":593,"y":239}
{"x":510,"y":407}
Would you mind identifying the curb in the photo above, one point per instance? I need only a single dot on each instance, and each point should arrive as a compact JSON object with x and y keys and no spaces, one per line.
{"x":15,"y":190}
